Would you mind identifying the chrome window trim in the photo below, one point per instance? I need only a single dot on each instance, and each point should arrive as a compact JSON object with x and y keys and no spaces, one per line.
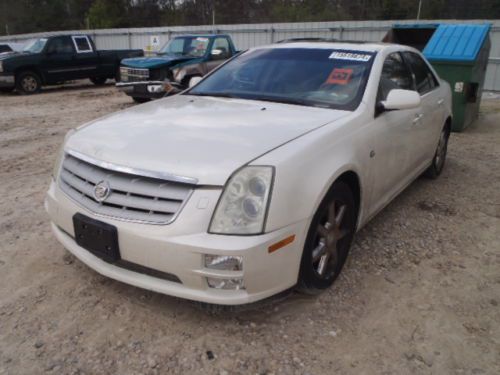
{"x":135,"y":171}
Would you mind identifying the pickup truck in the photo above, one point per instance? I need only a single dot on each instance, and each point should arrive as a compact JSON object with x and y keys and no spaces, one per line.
{"x":56,"y":59}
{"x":178,"y":61}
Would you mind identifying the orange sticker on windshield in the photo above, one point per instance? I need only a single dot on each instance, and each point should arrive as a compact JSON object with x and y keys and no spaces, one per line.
{"x":339,"y":77}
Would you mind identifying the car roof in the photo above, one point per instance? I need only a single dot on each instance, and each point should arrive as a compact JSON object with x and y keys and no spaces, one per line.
{"x":200,"y":35}
{"x":345,"y":45}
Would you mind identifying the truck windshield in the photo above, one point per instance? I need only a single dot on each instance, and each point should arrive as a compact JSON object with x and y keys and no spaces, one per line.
{"x":312,"y":77}
{"x":35,"y":46}
{"x":190,"y":46}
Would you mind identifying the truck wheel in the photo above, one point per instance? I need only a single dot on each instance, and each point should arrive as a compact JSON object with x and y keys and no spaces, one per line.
{"x":98,"y":81}
{"x":28,"y":83}
{"x":328,"y":240}
{"x":140,"y":100}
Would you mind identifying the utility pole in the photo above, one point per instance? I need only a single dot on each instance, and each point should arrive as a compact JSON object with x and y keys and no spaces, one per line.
{"x":419,"y":9}
{"x":7,"y":29}
{"x":213,"y":16}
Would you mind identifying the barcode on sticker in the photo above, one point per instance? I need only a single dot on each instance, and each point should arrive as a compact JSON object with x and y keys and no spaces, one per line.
{"x":350,"y":56}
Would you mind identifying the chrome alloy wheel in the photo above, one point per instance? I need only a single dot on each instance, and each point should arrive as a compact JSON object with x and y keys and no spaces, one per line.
{"x":329,"y":233}
{"x":29,"y":84}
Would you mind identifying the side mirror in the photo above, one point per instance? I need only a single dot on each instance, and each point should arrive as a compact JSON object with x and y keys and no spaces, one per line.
{"x":401,"y":99}
{"x":194,"y":81}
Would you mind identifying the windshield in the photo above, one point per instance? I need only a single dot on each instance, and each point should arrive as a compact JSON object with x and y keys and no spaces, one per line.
{"x":312,"y":77}
{"x":190,"y":46}
{"x":35,"y":46}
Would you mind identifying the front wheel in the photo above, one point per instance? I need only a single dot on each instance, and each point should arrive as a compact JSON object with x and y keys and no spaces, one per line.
{"x":328,"y":240}
{"x":28,"y":83}
{"x":98,"y":81}
{"x":439,"y":159}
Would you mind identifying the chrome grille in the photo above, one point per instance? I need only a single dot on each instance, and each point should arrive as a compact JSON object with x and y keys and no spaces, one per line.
{"x":132,"y":198}
{"x":133,"y":74}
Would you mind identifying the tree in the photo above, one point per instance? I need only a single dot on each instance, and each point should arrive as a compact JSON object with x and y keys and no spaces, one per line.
{"x":108,"y":14}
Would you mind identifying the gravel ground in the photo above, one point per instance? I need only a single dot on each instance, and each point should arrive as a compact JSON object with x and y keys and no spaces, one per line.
{"x":420,"y":292}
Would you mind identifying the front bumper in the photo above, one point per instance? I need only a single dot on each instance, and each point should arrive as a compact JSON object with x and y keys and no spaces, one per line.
{"x":7,"y":81}
{"x":143,"y":89}
{"x":178,"y":249}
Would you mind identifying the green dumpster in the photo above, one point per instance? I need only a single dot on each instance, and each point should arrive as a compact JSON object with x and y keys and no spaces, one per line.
{"x":459,"y":53}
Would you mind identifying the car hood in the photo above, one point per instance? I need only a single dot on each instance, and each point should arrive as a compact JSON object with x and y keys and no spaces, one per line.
{"x":6,"y":55}
{"x":202,"y":138}
{"x":155,"y":62}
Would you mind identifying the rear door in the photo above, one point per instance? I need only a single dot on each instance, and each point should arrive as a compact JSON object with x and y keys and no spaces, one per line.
{"x":57,"y":63}
{"x":86,"y":58}
{"x":391,"y":132}
{"x":430,"y":119}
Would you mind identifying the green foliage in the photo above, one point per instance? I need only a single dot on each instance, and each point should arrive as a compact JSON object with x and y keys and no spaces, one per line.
{"x":108,"y":14}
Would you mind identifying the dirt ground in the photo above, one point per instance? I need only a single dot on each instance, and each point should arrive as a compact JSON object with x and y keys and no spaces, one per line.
{"x":420,"y":293}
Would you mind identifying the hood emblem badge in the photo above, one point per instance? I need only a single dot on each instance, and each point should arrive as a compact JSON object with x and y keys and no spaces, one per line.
{"x":102,"y":191}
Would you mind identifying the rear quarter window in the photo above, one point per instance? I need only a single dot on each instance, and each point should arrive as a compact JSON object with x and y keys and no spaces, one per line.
{"x":82,"y":44}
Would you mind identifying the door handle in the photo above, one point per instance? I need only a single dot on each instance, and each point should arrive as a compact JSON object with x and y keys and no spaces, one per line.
{"x":440,"y":101}
{"x":417,"y":118}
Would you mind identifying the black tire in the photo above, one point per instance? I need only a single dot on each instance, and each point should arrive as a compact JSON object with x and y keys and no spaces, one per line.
{"x":98,"y":81}
{"x":331,"y":247}
{"x":439,"y":159}
{"x":28,"y":83}
{"x":140,"y":100}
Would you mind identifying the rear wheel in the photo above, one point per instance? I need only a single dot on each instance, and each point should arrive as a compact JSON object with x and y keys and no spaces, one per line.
{"x":28,"y":83}
{"x":328,"y":240}
{"x":140,"y":100}
{"x":98,"y":81}
{"x":439,"y":159}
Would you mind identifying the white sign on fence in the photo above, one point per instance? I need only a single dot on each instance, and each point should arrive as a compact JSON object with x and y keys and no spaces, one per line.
{"x":155,"y":41}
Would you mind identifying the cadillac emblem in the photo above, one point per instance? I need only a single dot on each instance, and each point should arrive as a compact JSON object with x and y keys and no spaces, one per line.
{"x":101,"y":191}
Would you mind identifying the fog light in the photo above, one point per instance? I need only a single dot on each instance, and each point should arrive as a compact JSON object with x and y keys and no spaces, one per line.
{"x":232,"y":284}
{"x":224,"y":262}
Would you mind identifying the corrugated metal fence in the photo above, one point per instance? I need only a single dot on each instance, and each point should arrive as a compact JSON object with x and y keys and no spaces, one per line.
{"x":250,"y":35}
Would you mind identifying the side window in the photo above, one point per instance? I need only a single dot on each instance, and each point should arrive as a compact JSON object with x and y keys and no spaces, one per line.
{"x":395,"y":75}
{"x":220,"y":49}
{"x":60,"y":45}
{"x":82,"y":44}
{"x":424,"y":79}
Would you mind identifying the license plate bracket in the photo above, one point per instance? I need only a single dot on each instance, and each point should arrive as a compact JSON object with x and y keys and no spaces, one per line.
{"x":101,"y":239}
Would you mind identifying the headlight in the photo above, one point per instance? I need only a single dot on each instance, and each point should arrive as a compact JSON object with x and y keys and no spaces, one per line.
{"x":242,"y":208}
{"x":60,"y":155}
{"x":1,"y":66}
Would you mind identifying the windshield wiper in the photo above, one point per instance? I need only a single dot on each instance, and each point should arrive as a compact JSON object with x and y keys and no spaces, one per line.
{"x":282,"y":100}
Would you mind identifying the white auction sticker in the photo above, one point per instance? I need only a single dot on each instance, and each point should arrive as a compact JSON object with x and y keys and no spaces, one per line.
{"x":350,"y":56}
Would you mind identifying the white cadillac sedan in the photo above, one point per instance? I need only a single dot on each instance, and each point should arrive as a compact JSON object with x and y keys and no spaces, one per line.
{"x":254,"y":180}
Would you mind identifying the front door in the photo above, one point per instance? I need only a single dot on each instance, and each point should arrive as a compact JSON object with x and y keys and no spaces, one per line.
{"x":391,"y":133}
{"x":58,"y":63}
{"x":219,"y":53}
